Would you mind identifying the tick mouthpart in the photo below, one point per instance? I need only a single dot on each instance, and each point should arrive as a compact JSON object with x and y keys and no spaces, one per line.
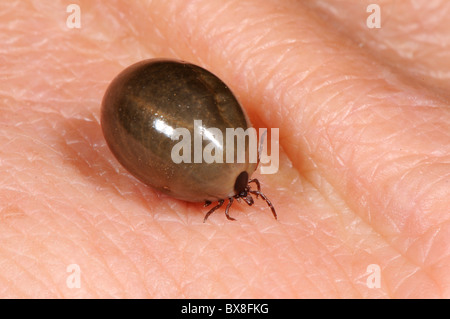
{"x":246,"y":196}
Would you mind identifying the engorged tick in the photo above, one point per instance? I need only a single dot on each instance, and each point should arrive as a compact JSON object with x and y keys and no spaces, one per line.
{"x":141,"y":110}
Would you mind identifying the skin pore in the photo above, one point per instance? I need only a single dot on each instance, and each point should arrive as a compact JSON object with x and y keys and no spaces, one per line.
{"x":364,"y":174}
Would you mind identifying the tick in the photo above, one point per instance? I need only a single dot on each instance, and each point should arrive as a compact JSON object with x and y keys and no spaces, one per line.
{"x":149,"y":103}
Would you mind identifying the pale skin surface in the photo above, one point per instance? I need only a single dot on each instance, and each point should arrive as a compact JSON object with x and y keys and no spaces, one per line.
{"x":364,"y":178}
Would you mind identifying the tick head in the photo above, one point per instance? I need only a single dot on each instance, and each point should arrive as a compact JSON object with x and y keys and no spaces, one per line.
{"x":240,"y":185}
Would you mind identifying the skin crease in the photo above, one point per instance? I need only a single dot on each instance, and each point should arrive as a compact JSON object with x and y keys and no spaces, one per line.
{"x":364,"y":166}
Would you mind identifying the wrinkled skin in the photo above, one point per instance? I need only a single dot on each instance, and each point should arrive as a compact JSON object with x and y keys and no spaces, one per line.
{"x":364,"y":176}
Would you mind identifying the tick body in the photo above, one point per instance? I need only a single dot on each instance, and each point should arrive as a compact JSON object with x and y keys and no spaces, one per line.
{"x":145,"y":105}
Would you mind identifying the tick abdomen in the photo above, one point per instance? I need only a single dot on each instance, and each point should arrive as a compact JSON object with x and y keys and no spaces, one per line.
{"x":148,"y":101}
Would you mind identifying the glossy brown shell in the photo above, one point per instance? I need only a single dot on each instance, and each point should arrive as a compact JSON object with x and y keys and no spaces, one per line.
{"x":174,"y":93}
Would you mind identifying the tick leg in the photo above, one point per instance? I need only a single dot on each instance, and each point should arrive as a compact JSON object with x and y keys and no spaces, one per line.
{"x":207,"y":203}
{"x":258,"y":185}
{"x":212,"y":210}
{"x":249,"y":199}
{"x":267,"y":201}
{"x":228,"y":207}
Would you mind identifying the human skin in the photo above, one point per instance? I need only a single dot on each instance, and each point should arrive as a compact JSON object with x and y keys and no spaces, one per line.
{"x":364,"y":174}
